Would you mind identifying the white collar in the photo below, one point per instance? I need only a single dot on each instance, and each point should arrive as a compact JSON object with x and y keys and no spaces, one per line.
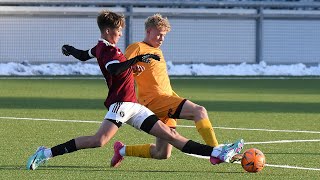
{"x":107,"y":43}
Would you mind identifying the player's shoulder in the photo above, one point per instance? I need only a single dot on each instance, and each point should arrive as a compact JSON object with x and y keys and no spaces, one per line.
{"x":107,"y":46}
{"x":133,"y":49}
{"x":136,"y":45}
{"x":108,"y":50}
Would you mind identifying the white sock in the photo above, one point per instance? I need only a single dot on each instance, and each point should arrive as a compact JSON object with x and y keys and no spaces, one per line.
{"x":48,"y":153}
{"x":123,"y":151}
{"x":216,"y":151}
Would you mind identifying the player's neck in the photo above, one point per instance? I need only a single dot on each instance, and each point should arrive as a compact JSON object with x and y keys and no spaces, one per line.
{"x":106,"y":42}
{"x":147,"y":43}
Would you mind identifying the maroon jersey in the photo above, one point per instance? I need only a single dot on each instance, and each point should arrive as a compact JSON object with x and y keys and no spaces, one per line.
{"x":121,"y":86}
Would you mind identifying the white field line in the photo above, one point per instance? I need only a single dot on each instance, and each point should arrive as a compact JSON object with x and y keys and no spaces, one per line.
{"x":54,"y":120}
{"x":284,"y":141}
{"x":205,"y":157}
{"x":270,"y":165}
{"x":267,"y":130}
{"x":98,"y":122}
{"x":241,"y":129}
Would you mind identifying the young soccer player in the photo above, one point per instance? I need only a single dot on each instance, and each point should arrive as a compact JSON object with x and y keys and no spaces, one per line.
{"x":155,"y":91}
{"x":122,"y":104}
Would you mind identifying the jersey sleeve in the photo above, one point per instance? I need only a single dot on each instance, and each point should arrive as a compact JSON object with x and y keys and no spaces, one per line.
{"x":110,"y":54}
{"x":115,"y":62}
{"x":92,"y":52}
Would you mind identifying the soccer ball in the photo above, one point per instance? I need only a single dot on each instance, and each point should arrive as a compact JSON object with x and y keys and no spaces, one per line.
{"x":253,"y":160}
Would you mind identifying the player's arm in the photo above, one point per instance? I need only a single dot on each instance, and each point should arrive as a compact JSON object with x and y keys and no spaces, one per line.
{"x":132,"y":51}
{"x":115,"y":67}
{"x":82,"y":55}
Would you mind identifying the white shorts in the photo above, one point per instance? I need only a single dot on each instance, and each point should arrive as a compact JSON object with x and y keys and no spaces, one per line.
{"x":128,"y":112}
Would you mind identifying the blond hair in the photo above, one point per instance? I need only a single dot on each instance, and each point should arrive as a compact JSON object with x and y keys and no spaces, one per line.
{"x":109,"y":19}
{"x":157,"y":21}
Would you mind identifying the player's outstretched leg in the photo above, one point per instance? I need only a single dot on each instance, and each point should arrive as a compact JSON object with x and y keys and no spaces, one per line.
{"x":230,"y":150}
{"x":117,"y":158}
{"x":36,"y":159}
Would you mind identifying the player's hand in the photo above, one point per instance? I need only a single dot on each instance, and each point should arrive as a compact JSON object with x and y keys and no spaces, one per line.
{"x":66,"y":49}
{"x":137,"y":69}
{"x":146,"y":58}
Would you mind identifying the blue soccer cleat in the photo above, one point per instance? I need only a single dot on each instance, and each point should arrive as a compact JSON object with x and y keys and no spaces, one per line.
{"x":36,"y":159}
{"x":230,"y":150}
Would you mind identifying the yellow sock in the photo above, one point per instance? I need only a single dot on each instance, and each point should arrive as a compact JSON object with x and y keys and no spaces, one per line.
{"x":205,"y":129}
{"x":141,"y":150}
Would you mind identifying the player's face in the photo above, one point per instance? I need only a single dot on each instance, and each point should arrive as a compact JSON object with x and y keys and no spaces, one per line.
{"x":114,"y":34}
{"x":156,"y":36}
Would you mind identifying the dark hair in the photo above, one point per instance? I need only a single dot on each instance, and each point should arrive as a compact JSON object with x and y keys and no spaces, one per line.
{"x":108,"y":19}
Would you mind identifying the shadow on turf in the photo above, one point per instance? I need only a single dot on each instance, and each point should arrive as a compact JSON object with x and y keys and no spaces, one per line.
{"x":227,"y":106}
{"x":104,"y":168}
{"x":12,"y":167}
{"x":50,"y":103}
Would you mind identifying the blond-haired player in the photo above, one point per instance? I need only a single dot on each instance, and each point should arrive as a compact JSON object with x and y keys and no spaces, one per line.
{"x":156,"y":93}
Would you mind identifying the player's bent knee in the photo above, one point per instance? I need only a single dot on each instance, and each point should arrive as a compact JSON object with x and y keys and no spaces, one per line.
{"x":163,"y":156}
{"x":201,"y":109}
{"x":102,"y":143}
{"x":98,"y":143}
{"x":95,"y":143}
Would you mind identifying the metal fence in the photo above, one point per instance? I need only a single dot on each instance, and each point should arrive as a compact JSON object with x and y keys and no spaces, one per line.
{"x":202,"y":32}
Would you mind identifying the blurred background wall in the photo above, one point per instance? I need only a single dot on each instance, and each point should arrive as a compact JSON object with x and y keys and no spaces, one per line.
{"x":203,"y":31}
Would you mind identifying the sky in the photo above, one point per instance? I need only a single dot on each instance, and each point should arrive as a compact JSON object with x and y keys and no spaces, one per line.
{"x":80,"y":68}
